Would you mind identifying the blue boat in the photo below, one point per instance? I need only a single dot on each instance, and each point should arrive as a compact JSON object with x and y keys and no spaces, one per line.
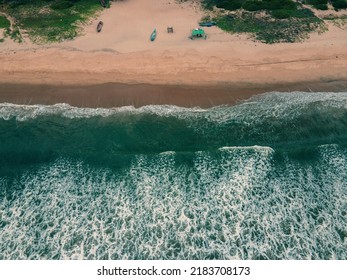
{"x":154,"y":34}
{"x":207,"y":24}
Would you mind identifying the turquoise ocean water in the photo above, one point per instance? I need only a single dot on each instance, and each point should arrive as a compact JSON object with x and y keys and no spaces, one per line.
{"x":264,"y":179}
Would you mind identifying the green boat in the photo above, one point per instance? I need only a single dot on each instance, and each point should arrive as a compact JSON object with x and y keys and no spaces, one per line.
{"x":154,"y":34}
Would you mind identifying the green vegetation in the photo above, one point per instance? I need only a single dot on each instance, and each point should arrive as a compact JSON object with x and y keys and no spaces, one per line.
{"x":318,"y":4}
{"x":339,"y":21}
{"x":268,"y":30}
{"x":339,"y":4}
{"x":4,"y":22}
{"x":271,"y":5}
{"x":270,"y":21}
{"x":323,"y":4}
{"x":229,"y":5}
{"x":302,"y":13}
{"x":50,"y":20}
{"x":61,"y":5}
{"x":15,"y":34}
{"x":251,"y":5}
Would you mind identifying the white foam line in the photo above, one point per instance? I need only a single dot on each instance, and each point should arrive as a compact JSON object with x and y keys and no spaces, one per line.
{"x":258,"y":107}
{"x":255,"y":147}
{"x":24,"y":112}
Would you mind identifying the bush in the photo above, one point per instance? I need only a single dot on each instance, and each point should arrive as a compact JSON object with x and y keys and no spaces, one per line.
{"x":318,"y":4}
{"x":256,"y":5}
{"x":280,"y":5}
{"x":281,"y":14}
{"x":230,"y":5}
{"x":268,"y":30}
{"x":302,"y":13}
{"x":322,"y":7}
{"x":61,"y":5}
{"x":4,"y":22}
{"x":253,"y":5}
{"x":340,"y":4}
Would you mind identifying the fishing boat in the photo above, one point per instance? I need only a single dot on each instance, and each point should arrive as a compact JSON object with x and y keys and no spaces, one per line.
{"x":154,"y":34}
{"x":207,"y":24}
{"x":100,"y":25}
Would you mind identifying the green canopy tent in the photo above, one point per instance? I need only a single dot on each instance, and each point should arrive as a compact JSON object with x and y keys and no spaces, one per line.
{"x":198,"y":33}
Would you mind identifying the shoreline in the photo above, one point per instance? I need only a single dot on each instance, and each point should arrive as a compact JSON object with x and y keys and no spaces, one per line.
{"x":110,"y":95}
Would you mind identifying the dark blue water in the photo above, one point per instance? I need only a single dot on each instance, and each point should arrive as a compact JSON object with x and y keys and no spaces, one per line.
{"x":264,"y":179}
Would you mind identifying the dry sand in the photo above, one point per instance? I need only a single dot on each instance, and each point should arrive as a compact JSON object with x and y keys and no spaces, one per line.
{"x":123,"y":54}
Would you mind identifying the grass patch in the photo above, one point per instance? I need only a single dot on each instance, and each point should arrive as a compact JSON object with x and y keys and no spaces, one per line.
{"x":51,"y":20}
{"x":270,"y":30}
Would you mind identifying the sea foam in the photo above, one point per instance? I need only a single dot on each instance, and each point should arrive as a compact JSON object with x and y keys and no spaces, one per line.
{"x":264,"y":179}
{"x":236,"y":205}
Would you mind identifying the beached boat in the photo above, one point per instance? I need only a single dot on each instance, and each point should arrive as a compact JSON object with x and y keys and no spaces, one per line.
{"x":154,"y":34}
{"x":100,"y":25}
{"x":207,"y":24}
